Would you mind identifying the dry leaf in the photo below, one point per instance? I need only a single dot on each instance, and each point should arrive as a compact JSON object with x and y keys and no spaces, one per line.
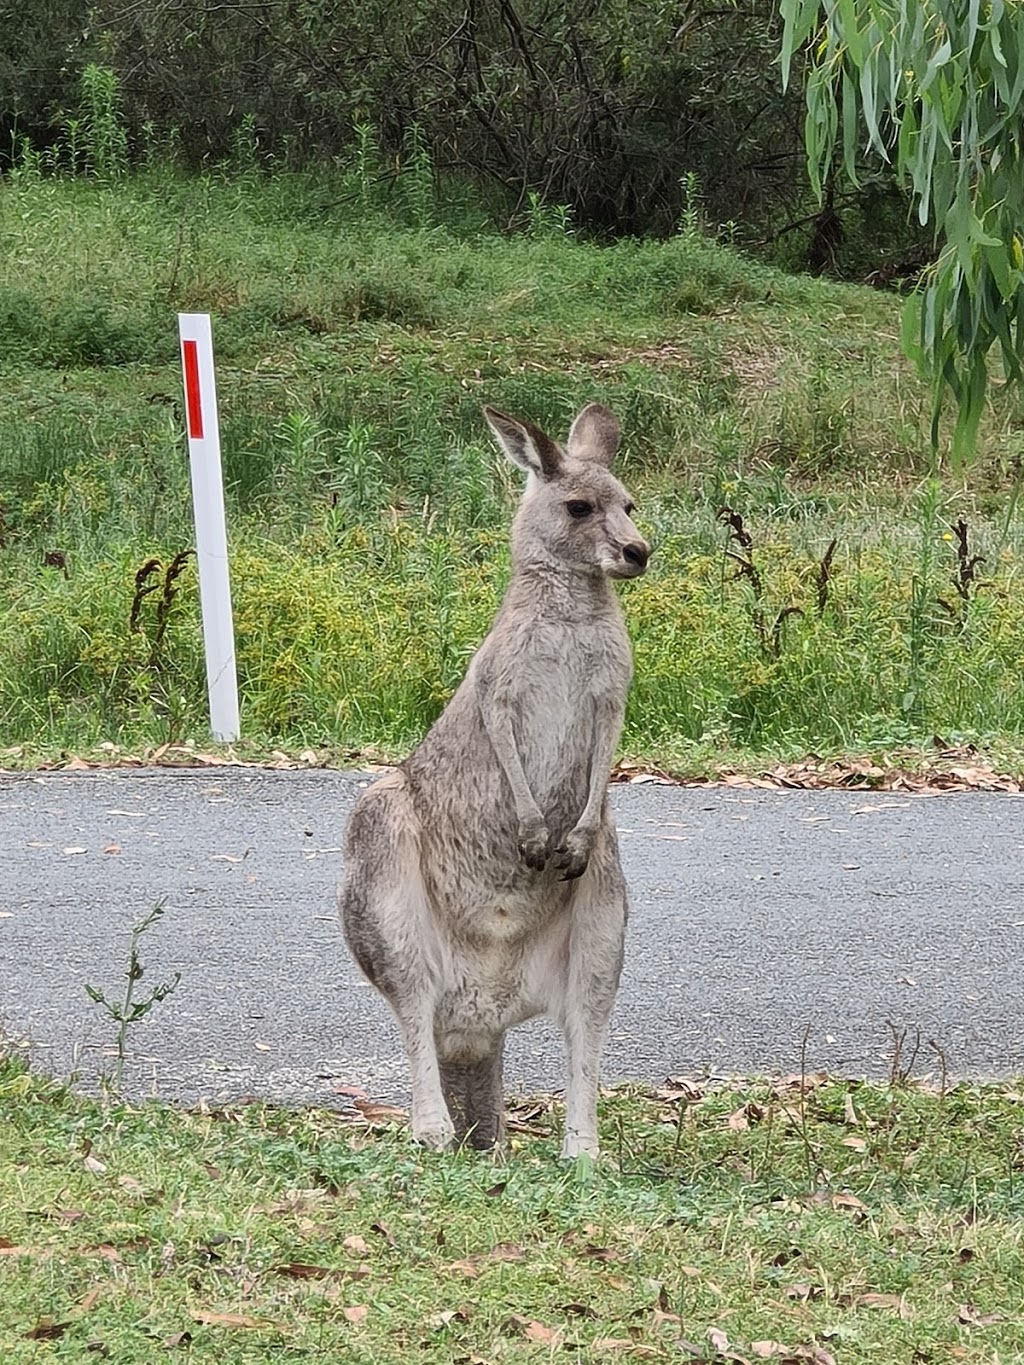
{"x":303,"y":1270}
{"x":970,"y":1317}
{"x":718,"y":1339}
{"x":70,"y":852}
{"x":802,"y":1292}
{"x":177,"y":1339}
{"x":225,"y":1319}
{"x":547,"y":1336}
{"x":93,"y":1165}
{"x":445,"y":1319}
{"x":765,"y":1350}
{"x":635,"y":1348}
{"x":881,"y":1301}
{"x":848,"y":1201}
{"x":466,"y":1269}
{"x":355,"y":1312}
{"x":47,"y":1330}
{"x":357,"y":1245}
{"x":660,"y":1317}
{"x":856,"y":1143}
{"x":378,"y":1113}
{"x":112,"y":848}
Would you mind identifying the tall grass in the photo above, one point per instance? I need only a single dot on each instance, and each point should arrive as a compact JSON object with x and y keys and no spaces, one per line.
{"x":369,"y":511}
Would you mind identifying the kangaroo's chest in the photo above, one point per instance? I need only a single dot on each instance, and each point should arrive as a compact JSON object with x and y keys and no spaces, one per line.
{"x":565,"y":666}
{"x":563,"y":683}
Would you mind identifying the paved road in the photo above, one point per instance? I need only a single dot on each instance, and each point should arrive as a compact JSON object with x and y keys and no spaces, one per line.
{"x":759,"y":917}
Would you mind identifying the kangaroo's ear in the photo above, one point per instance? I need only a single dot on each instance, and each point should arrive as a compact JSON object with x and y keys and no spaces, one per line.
{"x":594,"y":435}
{"x":525,"y":444}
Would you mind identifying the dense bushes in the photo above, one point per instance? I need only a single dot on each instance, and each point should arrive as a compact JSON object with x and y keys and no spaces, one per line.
{"x":625,"y":117}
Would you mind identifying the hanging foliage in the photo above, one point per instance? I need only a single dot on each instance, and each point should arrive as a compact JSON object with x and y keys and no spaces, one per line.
{"x":936,"y":87}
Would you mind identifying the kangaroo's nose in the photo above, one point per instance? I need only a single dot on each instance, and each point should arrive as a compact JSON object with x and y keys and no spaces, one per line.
{"x":636,"y":552}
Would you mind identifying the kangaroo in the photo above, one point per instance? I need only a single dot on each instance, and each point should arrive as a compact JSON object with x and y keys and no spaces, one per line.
{"x":482,"y":883}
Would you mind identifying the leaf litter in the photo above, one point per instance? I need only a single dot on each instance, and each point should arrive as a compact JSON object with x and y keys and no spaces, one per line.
{"x":555,"y":1266}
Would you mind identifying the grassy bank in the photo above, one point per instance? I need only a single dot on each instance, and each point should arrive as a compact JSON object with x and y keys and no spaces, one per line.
{"x":789,"y":1221}
{"x":368,"y":510}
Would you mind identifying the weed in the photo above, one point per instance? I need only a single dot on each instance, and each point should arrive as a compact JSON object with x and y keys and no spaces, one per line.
{"x":246,"y":153}
{"x":546,"y":220}
{"x":965,"y":580}
{"x":692,"y":222}
{"x":416,"y":179}
{"x":128,"y":1010}
{"x":366,"y":165}
{"x":769,"y":637}
{"x":99,"y":130}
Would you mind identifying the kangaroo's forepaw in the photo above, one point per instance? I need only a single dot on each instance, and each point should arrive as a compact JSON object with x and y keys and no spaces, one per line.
{"x":534,"y":843}
{"x":572,"y":857}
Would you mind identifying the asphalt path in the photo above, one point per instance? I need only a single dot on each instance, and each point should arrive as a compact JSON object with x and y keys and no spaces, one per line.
{"x":769,"y":930}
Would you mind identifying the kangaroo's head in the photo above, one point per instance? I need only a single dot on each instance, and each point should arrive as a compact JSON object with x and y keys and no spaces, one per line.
{"x":574,"y":513}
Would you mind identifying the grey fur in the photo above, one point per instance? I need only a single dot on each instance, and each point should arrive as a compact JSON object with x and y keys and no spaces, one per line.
{"x":482,"y":883}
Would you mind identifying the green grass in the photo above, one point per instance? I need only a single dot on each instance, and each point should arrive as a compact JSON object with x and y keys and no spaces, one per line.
{"x":864,"y":1223}
{"x":369,"y":510}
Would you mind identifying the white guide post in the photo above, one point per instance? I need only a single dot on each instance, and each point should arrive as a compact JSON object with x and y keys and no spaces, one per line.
{"x":211,"y":531}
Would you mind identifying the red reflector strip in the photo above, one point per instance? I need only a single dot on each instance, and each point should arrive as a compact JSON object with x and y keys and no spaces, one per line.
{"x":190,"y":359}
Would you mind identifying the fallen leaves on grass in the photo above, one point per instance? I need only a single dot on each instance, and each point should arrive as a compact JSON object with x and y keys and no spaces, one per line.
{"x":948,"y":769}
{"x":210,"y":1319}
{"x":47,"y":1329}
{"x":439,"y":1321}
{"x":471,"y":1267}
{"x":535,"y":1331}
{"x":305,"y":1270}
{"x":382,"y":1230}
{"x":804,"y":1354}
{"x":379,"y":1113}
{"x":625,"y":1344}
{"x":970,"y":1317}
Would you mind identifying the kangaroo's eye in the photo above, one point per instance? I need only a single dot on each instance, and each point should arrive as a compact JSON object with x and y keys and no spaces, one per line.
{"x":630,"y":509}
{"x":579,"y":510}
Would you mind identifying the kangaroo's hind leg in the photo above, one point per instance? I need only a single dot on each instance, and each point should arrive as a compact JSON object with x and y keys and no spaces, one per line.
{"x":592,"y":970}
{"x":474,"y":1092}
{"x":388,"y":926}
